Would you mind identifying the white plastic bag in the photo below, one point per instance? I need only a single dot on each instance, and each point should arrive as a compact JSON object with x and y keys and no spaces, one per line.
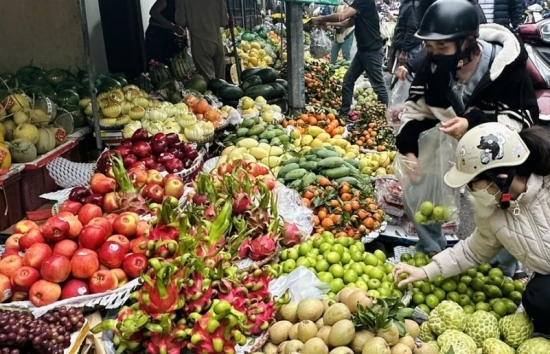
{"x":292,"y":210}
{"x":321,"y":45}
{"x":398,"y":96}
{"x":301,"y":284}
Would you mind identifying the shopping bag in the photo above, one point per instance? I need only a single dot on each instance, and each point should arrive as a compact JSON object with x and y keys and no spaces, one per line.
{"x":320,"y":45}
{"x":398,"y":97}
{"x":427,"y":199}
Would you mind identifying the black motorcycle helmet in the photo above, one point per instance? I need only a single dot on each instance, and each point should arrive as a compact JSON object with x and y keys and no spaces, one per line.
{"x":449,"y":20}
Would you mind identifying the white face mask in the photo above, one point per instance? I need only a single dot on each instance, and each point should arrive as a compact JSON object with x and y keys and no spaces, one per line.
{"x":485,"y":198}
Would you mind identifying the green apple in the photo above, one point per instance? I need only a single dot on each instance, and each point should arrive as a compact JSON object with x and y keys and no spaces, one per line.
{"x":426,"y":208}
{"x":304,"y":248}
{"x":322,"y":265}
{"x":419,"y":218}
{"x":346,"y":258}
{"x":303,"y":261}
{"x":325,"y":277}
{"x":350,"y":276}
{"x":333,"y":257}
{"x":293,"y":253}
{"x":373,"y":283}
{"x":336,"y":285}
{"x":439,"y":213}
{"x":289,"y":265}
{"x":336,"y":270}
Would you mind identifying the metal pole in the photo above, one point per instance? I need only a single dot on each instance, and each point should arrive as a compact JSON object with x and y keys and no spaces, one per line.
{"x":91,"y":76}
{"x":295,"y":56}
{"x":232,"y":33}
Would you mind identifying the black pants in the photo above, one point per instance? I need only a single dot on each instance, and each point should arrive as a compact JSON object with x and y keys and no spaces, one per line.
{"x":160,"y":44}
{"x":536,"y":302}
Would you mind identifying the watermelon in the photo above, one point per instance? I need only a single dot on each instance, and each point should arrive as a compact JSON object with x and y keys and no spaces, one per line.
{"x":121,"y":78}
{"x":27,"y":70}
{"x":56,"y":76}
{"x":181,"y":70}
{"x":159,"y":73}
{"x":38,"y":74}
{"x":197,"y":83}
{"x":107,"y":84}
{"x":144,"y":83}
{"x":68,"y":85}
{"x":168,"y":84}
{"x":230,"y":92}
{"x":67,"y":98}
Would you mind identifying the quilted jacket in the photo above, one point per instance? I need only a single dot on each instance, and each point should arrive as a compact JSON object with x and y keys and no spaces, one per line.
{"x":523,"y":229}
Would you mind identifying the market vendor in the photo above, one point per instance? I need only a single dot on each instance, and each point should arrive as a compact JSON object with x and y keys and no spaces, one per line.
{"x":161,"y":36}
{"x":472,"y":75}
{"x":369,"y":57}
{"x":204,"y":27}
{"x":511,"y":197}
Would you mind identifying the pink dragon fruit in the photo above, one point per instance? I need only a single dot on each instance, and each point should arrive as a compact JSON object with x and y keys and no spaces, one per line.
{"x":165,"y":343}
{"x":237,"y":297}
{"x":291,"y":235}
{"x":210,"y":254}
{"x":257,"y":284}
{"x":244,"y":249}
{"x":212,"y":336}
{"x":241,"y":203}
{"x":260,"y":315}
{"x":198,"y":293}
{"x":262,"y":247}
{"x":158,"y":300}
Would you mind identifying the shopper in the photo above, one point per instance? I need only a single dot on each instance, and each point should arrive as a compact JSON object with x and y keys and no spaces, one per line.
{"x":161,"y":34}
{"x":405,"y":44}
{"x":343,"y":39}
{"x":472,"y":75}
{"x":507,"y":13}
{"x":363,"y":15}
{"x":206,"y":41}
{"x":508,"y":178}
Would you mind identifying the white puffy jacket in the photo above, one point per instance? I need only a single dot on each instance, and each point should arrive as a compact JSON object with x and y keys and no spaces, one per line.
{"x":523,"y":229}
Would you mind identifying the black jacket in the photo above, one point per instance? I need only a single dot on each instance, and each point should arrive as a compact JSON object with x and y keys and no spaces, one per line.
{"x":504,"y":94}
{"x":407,"y":25}
{"x":505,"y":12}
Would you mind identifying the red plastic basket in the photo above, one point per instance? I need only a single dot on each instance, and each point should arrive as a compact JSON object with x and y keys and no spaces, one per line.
{"x":11,"y":209}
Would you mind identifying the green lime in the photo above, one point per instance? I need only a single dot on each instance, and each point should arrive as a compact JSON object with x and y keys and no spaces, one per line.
{"x":350,"y":276}
{"x":336,"y":270}
{"x":418,"y":298}
{"x":325,"y":277}
{"x":432,"y":301}
{"x":425,"y":308}
{"x":336,"y":285}
{"x":469,"y":309}
{"x":439,"y":293}
{"x":448,"y":285}
{"x":405,"y":257}
{"x":483,"y":306}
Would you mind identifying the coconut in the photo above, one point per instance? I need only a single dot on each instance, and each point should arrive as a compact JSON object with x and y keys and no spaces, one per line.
{"x":401,"y":348}
{"x":341,"y":350}
{"x":358,"y":297}
{"x":320,"y":323}
{"x":376,"y":345}
{"x":408,"y":340}
{"x":306,"y":330}
{"x":344,"y":293}
{"x":390,"y":335}
{"x":293,"y":332}
{"x":315,"y":346}
{"x":341,"y":333}
{"x":270,"y":348}
{"x":412,"y":328}
{"x":310,"y":309}
{"x":278,"y":333}
{"x":323,"y":333}
{"x":26,"y":131}
{"x":46,"y":141}
{"x":360,"y":339}
{"x":293,"y":346}
{"x":22,"y":151}
{"x":425,"y":348}
{"x":10,"y":126}
{"x":288,"y":312}
{"x":336,"y":313}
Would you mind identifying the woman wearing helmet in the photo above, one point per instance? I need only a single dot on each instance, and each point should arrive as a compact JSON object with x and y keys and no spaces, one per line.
{"x":508,"y":175}
{"x":472,"y":75}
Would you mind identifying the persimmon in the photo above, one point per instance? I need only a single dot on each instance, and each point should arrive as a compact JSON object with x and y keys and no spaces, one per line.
{"x":324,"y":181}
{"x":327,"y":223}
{"x":331,"y":117}
{"x":368,"y":223}
{"x":341,"y":234}
{"x":377,"y":217}
{"x":312,"y":121}
{"x":303,"y":117}
{"x":323,"y":208}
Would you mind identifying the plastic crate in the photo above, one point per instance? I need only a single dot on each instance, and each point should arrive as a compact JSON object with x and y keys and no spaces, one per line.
{"x":33,"y":184}
{"x":11,"y":208}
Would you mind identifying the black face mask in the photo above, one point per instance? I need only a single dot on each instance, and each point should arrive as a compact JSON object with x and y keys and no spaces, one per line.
{"x":445,"y":64}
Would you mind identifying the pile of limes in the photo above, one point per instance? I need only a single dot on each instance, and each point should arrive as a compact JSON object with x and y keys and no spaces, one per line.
{"x":482,"y":288}
{"x":342,"y":262}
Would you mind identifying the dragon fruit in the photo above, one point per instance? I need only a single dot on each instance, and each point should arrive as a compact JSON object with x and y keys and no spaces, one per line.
{"x":160,"y":292}
{"x":166,"y":343}
{"x":260,"y":315}
{"x":257,"y":284}
{"x":262,"y":247}
{"x":237,"y":297}
{"x":258,"y":220}
{"x":198,"y":293}
{"x":130,"y":198}
{"x":210,"y":253}
{"x":291,"y":235}
{"x":213,"y":335}
{"x":244,"y":249}
{"x":126,"y":328}
{"x":241,"y":203}
{"x":133,"y":202}
{"x":209,"y":213}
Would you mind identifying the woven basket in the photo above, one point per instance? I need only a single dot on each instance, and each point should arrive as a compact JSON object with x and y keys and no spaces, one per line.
{"x":222,"y":126}
{"x":271,"y":258}
{"x":189,"y":174}
{"x":260,"y":342}
{"x":204,"y":140}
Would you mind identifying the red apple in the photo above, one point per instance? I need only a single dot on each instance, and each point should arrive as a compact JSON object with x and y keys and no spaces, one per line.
{"x":153,"y":192}
{"x":126,"y":224}
{"x":43,"y":293}
{"x":74,"y":288}
{"x":84,"y":263}
{"x":56,"y":268}
{"x":174,"y":188}
{"x":19,"y":296}
{"x":71,"y":207}
{"x":154,"y":177}
{"x":36,"y":255}
{"x":103,"y":223}
{"x":24,"y":278}
{"x":102,"y":281}
{"x":23,"y":226}
{"x":5,"y":288}
{"x":55,"y":229}
{"x":139,"y":245}
{"x":171,"y":176}
{"x":121,"y":240}
{"x":11,"y":252}
{"x":138,"y":176}
{"x":135,"y":215}
{"x":10,"y":264}
{"x":92,"y":237}
{"x":101,"y":184}
{"x":134,"y":264}
{"x":65,"y":248}
{"x":143,"y":228}
{"x":13,"y":242}
{"x":111,"y":254}
{"x":111,"y":217}
{"x":111,"y":202}
{"x":103,"y":267}
{"x":30,"y":238}
{"x":120,"y":275}
{"x":88,"y":212}
{"x":75,"y":226}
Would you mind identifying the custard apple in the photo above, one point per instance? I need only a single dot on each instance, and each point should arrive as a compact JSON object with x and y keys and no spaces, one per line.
{"x":447,"y":315}
{"x":460,"y":342}
{"x":425,"y":333}
{"x":480,"y":326}
{"x":496,"y":346}
{"x":534,"y":346}
{"x":515,"y":329}
{"x":434,"y":344}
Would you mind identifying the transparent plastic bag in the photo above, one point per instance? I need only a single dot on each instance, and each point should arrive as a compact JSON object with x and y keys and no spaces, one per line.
{"x":398,"y":96}
{"x":301,"y":284}
{"x":321,"y":44}
{"x":292,"y":210}
{"x":427,"y":199}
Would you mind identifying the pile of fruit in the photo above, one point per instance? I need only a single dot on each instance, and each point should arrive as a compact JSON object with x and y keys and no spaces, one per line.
{"x":319,"y":117}
{"x":169,"y":80}
{"x":260,"y":131}
{"x":342,"y":262}
{"x":251,"y":150}
{"x":255,"y":82}
{"x":353,"y":324}
{"x":340,"y":69}
{"x":322,"y":86}
{"x":377,"y":163}
{"x":315,"y":138}
{"x":371,"y":129}
{"x":365,"y":97}
{"x":256,"y":53}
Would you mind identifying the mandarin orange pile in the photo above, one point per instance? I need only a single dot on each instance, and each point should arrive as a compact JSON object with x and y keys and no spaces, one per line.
{"x":327,"y":121}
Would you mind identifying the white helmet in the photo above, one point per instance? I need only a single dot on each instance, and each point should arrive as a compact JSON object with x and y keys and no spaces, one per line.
{"x":486,"y":147}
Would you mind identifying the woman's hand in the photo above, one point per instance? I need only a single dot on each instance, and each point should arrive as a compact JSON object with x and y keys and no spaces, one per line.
{"x":413,"y":272}
{"x":455,"y":127}
{"x":401,"y":73}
